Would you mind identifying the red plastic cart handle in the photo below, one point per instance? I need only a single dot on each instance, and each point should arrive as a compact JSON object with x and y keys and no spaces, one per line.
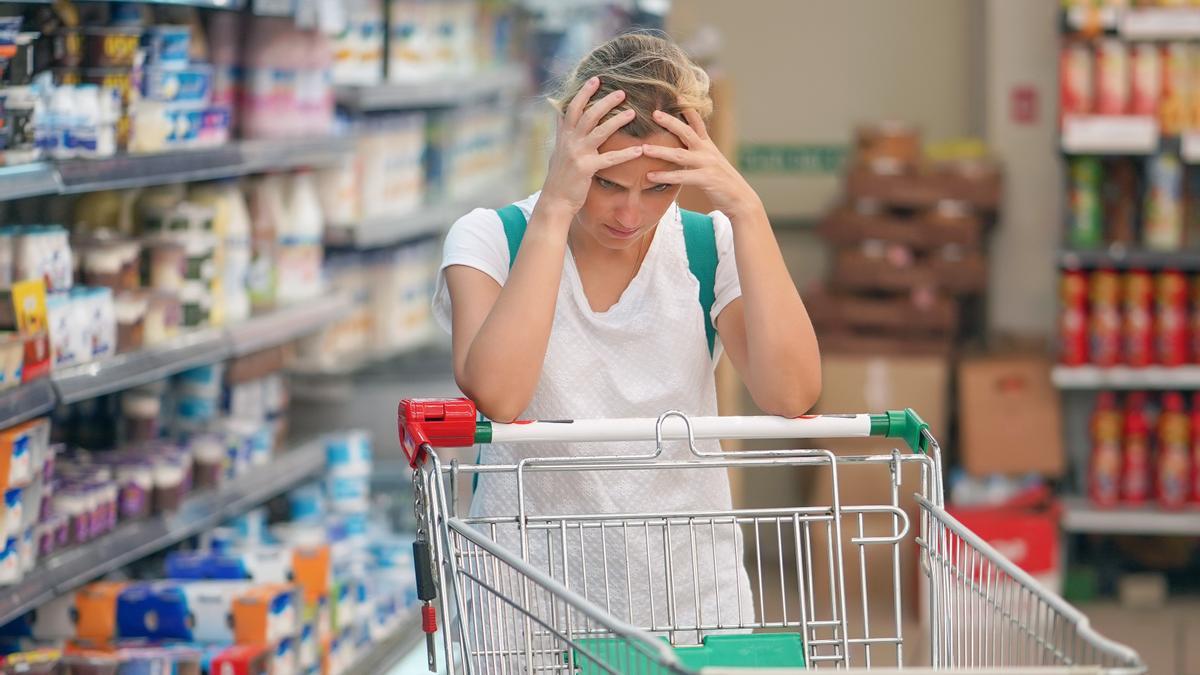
{"x":438,"y":422}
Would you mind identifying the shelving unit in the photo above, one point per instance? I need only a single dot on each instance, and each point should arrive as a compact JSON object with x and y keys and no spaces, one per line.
{"x":430,"y":219}
{"x":1081,"y":517}
{"x":196,"y":348}
{"x":1123,"y":377}
{"x":386,"y":654}
{"x":1126,"y":259}
{"x":67,"y":571}
{"x":1138,"y":23}
{"x":442,"y":93}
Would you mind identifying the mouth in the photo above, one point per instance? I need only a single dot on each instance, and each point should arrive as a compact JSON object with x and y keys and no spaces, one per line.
{"x":621,"y":234}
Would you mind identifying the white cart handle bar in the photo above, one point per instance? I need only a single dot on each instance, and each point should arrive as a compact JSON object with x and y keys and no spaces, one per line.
{"x":454,"y":422}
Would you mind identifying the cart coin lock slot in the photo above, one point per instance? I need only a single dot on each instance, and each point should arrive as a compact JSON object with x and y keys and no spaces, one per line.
{"x":438,"y":422}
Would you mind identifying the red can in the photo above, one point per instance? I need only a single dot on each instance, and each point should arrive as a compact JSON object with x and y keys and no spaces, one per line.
{"x":1147,"y":68}
{"x":1171,"y":474}
{"x":1073,"y":324}
{"x":1104,"y":470}
{"x":1135,"y":451}
{"x":1112,"y":77}
{"x":1194,"y":473}
{"x":1138,"y":318}
{"x":1076,"y":73}
{"x":1171,"y":318}
{"x":1104,"y":287}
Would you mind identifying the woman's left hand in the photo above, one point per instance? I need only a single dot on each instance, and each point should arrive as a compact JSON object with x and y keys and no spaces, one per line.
{"x":703,"y":166}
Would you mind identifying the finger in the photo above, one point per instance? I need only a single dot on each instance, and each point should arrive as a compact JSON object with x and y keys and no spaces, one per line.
{"x":681,"y":177}
{"x":596,"y":111}
{"x":677,"y":127}
{"x":678,"y":156}
{"x":575,"y":109}
{"x":610,"y":127}
{"x":616,"y":157}
{"x":696,"y":123}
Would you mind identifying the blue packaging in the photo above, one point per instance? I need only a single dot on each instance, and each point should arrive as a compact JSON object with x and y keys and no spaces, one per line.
{"x":349,"y":454}
{"x":154,"y":611}
{"x":168,"y":46}
{"x":202,"y":565}
{"x":188,"y":86}
{"x":307,"y":501}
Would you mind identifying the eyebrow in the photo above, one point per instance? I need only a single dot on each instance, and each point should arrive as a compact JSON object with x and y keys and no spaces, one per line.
{"x":619,"y":184}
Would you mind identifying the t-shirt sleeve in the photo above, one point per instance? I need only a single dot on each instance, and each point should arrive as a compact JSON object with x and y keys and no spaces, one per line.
{"x":476,"y":240}
{"x":727,"y":286}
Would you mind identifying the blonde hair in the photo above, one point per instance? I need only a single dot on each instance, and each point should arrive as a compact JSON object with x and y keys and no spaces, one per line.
{"x":654,"y":73}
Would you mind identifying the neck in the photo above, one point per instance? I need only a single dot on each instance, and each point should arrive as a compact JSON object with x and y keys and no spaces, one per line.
{"x":584,"y":246}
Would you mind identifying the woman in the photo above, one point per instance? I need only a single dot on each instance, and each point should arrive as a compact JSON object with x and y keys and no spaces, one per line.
{"x":599,"y":314}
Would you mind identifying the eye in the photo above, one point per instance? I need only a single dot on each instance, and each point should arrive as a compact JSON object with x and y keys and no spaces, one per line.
{"x":661,"y":187}
{"x":605,"y":184}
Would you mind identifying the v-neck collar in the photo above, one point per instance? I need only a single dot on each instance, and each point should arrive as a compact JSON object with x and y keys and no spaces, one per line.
{"x":637,"y":280}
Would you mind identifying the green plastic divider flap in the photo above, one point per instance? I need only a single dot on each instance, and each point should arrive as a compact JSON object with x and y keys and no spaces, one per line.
{"x":759,"y":650}
{"x":904,"y":424}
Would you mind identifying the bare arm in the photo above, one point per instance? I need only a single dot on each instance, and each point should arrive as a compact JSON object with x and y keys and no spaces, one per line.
{"x":767,"y":331}
{"x":500,"y":334}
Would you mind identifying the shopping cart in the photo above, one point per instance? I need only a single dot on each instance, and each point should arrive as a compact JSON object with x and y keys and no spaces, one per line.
{"x":526,"y":592}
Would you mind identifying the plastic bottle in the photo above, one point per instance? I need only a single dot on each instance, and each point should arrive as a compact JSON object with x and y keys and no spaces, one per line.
{"x":1194,"y":451}
{"x":85,"y":129}
{"x":268,"y":212}
{"x":1104,"y":470}
{"x":1135,"y":451}
{"x":1138,"y":326}
{"x":300,"y":241}
{"x":62,"y":121}
{"x":1171,"y":469}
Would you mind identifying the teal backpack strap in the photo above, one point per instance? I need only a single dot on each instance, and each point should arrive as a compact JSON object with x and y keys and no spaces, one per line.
{"x":701,"y":243}
{"x":513,"y":219}
{"x":514,"y":222}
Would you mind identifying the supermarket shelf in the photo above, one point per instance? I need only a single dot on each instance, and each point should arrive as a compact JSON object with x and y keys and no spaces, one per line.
{"x":1139,"y":23}
{"x":226,"y":161}
{"x":440,"y":93}
{"x":1125,"y":259}
{"x":384,"y":655}
{"x":105,"y":376}
{"x":62,"y":573}
{"x":202,"y":4}
{"x":430,"y":219}
{"x":26,"y":401}
{"x":195,"y":348}
{"x":1080,"y":516}
{"x":286,"y":324}
{"x":1110,"y":135}
{"x":1123,"y":377}
{"x":28,"y":180}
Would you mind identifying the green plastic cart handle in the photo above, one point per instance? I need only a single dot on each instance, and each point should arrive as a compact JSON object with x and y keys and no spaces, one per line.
{"x":904,"y":424}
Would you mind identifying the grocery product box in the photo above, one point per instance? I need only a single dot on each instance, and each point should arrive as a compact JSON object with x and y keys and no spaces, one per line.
{"x":96,"y":611}
{"x":1010,"y":416}
{"x":265,"y":615}
{"x":978,"y":183}
{"x":962,"y":272}
{"x":906,"y":314}
{"x":243,"y":660}
{"x":848,"y":226}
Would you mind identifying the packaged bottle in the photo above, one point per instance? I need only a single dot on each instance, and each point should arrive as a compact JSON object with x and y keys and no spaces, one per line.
{"x":1135,"y":451}
{"x":1171,"y":467}
{"x":1112,"y":77}
{"x":1146,"y":87}
{"x":1073,"y":324}
{"x":1194,"y":451}
{"x":1138,"y":324}
{"x":300,"y":241}
{"x":1171,"y":318}
{"x":1087,"y":218}
{"x":1163,"y":218}
{"x":1104,"y":288}
{"x":1104,"y":469}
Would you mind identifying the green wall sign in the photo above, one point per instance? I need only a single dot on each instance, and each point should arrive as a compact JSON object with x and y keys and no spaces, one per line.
{"x":782,"y":158}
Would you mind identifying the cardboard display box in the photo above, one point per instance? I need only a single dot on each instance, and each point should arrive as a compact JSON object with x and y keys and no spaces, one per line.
{"x":856,"y":270}
{"x":980,"y":186}
{"x":901,"y":314}
{"x":1010,"y":416}
{"x":847,"y":226}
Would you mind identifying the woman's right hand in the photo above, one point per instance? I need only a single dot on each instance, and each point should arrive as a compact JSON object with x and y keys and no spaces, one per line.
{"x":576,"y":157}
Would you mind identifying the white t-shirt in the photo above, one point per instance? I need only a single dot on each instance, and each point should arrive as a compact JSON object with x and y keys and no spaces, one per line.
{"x":645,"y":355}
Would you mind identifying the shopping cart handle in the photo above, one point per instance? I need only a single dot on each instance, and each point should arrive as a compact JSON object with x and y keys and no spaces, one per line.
{"x":452,"y":423}
{"x":436,"y":422}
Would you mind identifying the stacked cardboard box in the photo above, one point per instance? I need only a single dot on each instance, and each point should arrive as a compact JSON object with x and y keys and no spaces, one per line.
{"x":908,"y":263}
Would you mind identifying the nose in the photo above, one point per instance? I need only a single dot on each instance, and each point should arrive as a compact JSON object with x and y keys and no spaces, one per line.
{"x":629,"y":211}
